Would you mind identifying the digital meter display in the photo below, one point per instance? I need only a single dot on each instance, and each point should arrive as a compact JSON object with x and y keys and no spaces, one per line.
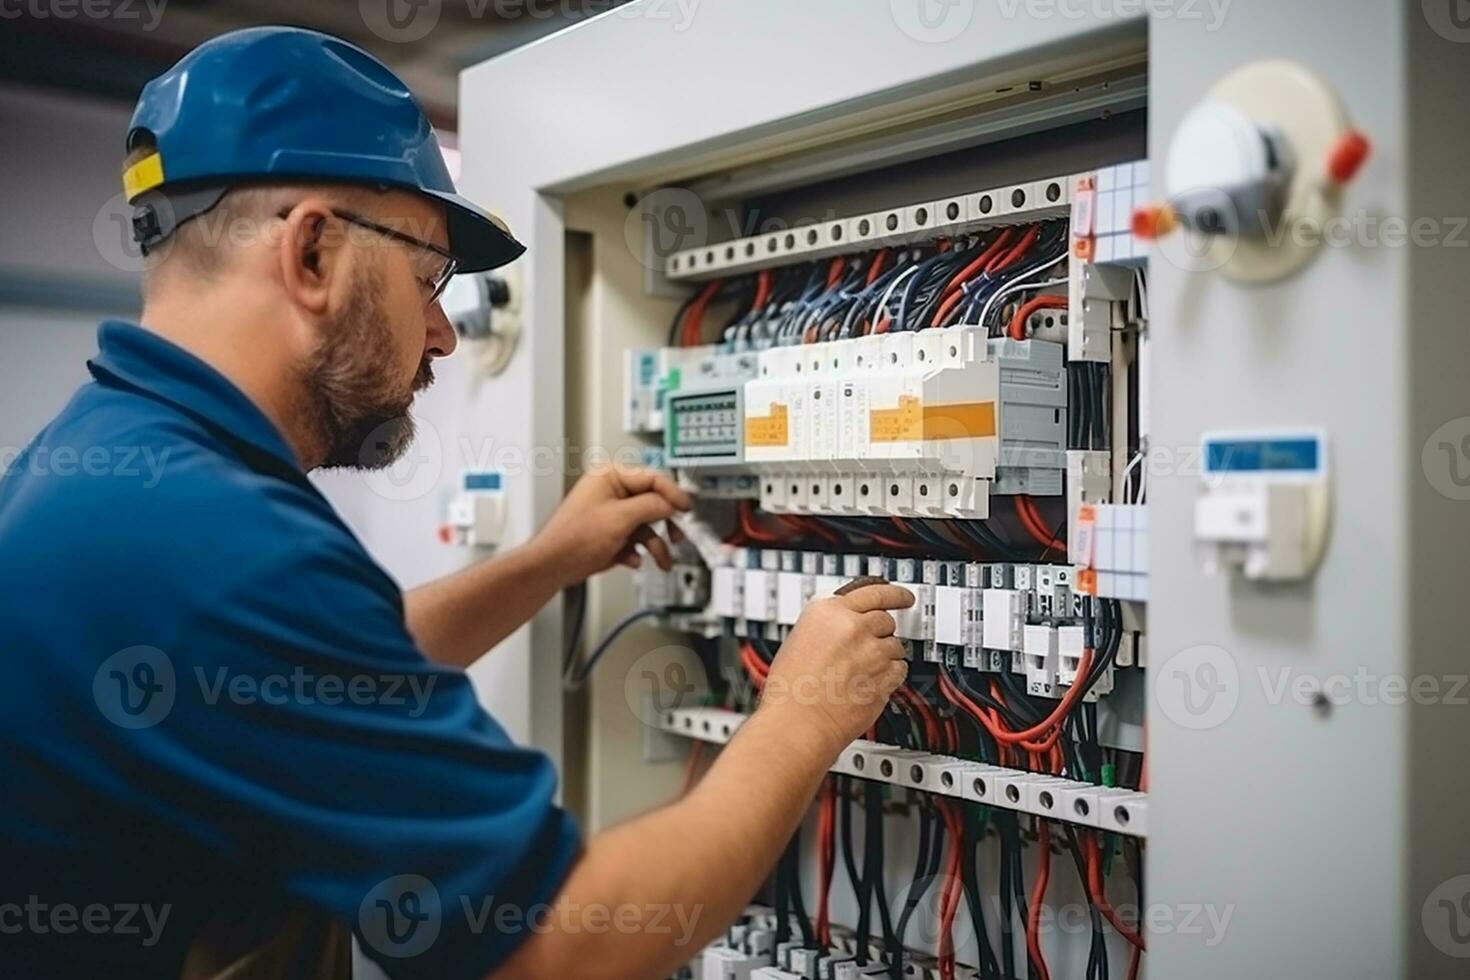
{"x":482,"y":481}
{"x":1276,"y":455}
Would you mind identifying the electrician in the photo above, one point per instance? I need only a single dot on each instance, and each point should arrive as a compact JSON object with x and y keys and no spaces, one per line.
{"x":231,"y":742}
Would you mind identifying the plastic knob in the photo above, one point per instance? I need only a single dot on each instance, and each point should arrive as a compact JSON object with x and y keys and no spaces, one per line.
{"x":1154,"y":221}
{"x":1347,"y":157}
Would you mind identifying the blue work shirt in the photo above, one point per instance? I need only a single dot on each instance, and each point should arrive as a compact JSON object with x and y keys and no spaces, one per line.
{"x":213,"y":711}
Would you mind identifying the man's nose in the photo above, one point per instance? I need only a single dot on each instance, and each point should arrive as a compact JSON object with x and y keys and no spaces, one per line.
{"x":441,"y":339}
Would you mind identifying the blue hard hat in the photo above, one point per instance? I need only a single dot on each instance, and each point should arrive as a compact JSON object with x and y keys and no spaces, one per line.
{"x":285,"y":103}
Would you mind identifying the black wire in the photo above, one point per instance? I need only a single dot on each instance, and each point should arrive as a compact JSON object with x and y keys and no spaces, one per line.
{"x":783,"y":901}
{"x":960,"y":680}
{"x":843,"y":788}
{"x":864,"y":886}
{"x":870,"y":887}
{"x":798,"y":904}
{"x":1073,"y":407}
{"x":679,"y":317}
{"x":578,"y":596}
{"x":1018,"y":883}
{"x":879,"y":892}
{"x":1084,"y":424}
{"x":974,"y":831}
{"x":1056,"y":537}
{"x":1009,"y":846}
{"x":1097,"y":956}
{"x":575,"y":681}
{"x":931,"y":847}
{"x":988,"y":539}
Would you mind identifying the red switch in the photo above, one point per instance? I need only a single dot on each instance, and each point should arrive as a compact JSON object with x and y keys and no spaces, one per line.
{"x":1348,"y":155}
{"x":446,"y":534}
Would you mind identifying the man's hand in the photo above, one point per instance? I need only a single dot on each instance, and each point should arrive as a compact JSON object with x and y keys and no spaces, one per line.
{"x":835,"y":672}
{"x":608,"y":514}
{"x":661,"y":859}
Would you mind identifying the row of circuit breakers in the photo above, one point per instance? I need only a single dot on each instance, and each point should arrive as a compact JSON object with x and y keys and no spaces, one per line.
{"x":924,"y":423}
{"x":992,"y":616}
{"x":929,"y":423}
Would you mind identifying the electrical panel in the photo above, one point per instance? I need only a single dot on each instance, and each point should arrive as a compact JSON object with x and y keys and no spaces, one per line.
{"x":834,"y":205}
{"x":927,"y":393}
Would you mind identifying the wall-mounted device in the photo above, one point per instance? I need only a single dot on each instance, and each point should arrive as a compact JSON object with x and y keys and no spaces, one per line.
{"x":1264,"y":504}
{"x":476,"y":515}
{"x":1255,"y":170}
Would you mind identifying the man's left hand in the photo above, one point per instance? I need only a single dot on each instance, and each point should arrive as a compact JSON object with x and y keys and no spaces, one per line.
{"x":607,"y":516}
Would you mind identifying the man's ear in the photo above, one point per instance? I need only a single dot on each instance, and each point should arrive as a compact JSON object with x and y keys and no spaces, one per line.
{"x":311,"y":255}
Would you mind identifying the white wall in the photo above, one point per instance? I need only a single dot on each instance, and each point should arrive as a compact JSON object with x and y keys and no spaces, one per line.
{"x":43,"y":356}
{"x":61,"y":159}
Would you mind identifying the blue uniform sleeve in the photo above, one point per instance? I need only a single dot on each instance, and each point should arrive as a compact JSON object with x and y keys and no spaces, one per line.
{"x":310,"y":742}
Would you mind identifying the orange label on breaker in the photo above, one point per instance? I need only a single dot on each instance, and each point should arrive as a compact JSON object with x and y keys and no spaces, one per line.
{"x":902,"y":424}
{"x":769,"y":430}
{"x":912,"y":421}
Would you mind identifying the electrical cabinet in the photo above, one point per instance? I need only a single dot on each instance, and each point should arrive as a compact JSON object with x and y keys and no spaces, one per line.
{"x":753,"y":263}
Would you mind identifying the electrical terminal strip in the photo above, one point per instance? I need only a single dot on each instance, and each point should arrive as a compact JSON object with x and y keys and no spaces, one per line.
{"x":1112,"y":544}
{"x":1026,"y":619}
{"x":749,"y":951}
{"x":1122,"y":811}
{"x":922,"y":221}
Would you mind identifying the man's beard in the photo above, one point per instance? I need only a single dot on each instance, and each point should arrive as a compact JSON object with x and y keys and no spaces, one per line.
{"x":359,"y":404}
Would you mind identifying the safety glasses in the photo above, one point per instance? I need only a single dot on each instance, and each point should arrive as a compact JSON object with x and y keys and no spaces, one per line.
{"x":438,"y":262}
{"x":435,"y":265}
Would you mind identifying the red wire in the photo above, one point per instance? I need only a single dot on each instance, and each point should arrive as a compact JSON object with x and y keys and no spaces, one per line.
{"x":834,"y":271}
{"x":877,"y":266}
{"x":1098,"y":891}
{"x":1051,"y":723}
{"x":946,"y":305}
{"x":693,"y":325}
{"x":1033,"y":522}
{"x":826,"y":826}
{"x":747,"y":526}
{"x":1018,"y":322}
{"x":1038,"y":894}
{"x":1023,"y":514}
{"x":949,"y":902}
{"x":1002,"y":262}
{"x":979,"y":262}
{"x":762,"y":289}
{"x":754,"y":666}
{"x":803,"y":525}
{"x":952,"y":292}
